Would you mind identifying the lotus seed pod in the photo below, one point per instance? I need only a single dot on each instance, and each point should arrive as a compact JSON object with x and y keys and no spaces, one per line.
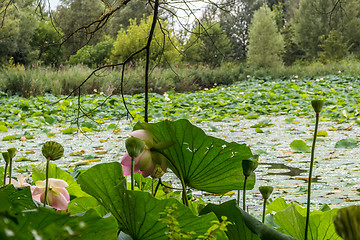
{"x":166,"y":190}
{"x":134,"y":146}
{"x":317,"y":105}
{"x":248,"y":167}
{"x":12,"y":152}
{"x":266,"y":191}
{"x":347,"y":223}
{"x":52,"y":150}
{"x":158,"y":173}
{"x":6,"y":156}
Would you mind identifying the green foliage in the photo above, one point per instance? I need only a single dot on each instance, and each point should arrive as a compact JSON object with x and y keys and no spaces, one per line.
{"x":207,"y":44}
{"x":205,"y":163}
{"x":93,"y":55}
{"x":20,"y":219}
{"x":73,"y":14}
{"x":45,"y":38}
{"x":104,"y":182}
{"x":235,"y":22}
{"x":291,"y":220}
{"x":135,"y":37}
{"x":175,"y":232}
{"x":135,"y":9}
{"x":346,"y":143}
{"x":243,"y":226}
{"x":333,"y":47}
{"x":299,"y":146}
{"x":266,"y":44}
{"x":347,"y":222}
{"x":17,"y":30}
{"x":318,"y":18}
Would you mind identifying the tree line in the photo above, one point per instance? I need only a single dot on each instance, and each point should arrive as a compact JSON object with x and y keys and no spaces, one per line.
{"x":261,"y":33}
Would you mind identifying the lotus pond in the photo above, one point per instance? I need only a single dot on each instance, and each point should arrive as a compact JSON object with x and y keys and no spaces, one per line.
{"x":266,"y":115}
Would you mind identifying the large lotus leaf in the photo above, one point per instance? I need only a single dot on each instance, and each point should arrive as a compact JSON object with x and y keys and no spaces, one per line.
{"x":49,"y":224}
{"x":321,"y":227}
{"x":2,"y":176}
{"x":19,"y":217}
{"x":138,"y":213}
{"x":39,"y":173}
{"x":200,"y":161}
{"x":83,"y":204}
{"x":20,"y":198}
{"x":244,"y":226}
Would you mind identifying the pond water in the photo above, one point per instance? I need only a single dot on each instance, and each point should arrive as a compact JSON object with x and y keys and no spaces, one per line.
{"x":336,"y":171}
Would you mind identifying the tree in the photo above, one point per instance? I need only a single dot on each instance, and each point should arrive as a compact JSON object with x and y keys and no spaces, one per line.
{"x":235,"y":22}
{"x":94,"y":55}
{"x":333,"y":47}
{"x":74,"y":14}
{"x":17,"y":32}
{"x":207,"y":44}
{"x":316,"y":18}
{"x":136,"y":9}
{"x":163,"y":46}
{"x":45,"y":40}
{"x":266,"y":44}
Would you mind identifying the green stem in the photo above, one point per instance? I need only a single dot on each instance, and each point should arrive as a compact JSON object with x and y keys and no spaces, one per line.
{"x":184,"y":194}
{"x":310,"y":175}
{"x":238,"y":198}
{"x":264,"y":208}
{"x":6,"y":166}
{"x":157,"y":187}
{"x":46,"y":181}
{"x":132,"y":173}
{"x":244,"y":192}
{"x":152,"y":186}
{"x":10,"y":170}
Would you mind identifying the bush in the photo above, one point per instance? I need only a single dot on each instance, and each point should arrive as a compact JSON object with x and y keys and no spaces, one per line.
{"x":62,"y":81}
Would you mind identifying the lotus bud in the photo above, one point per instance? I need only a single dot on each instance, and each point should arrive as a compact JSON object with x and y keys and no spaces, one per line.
{"x":158,"y":173}
{"x":52,"y":150}
{"x":6,"y":156}
{"x":248,"y":167}
{"x":134,"y":146}
{"x":317,"y":105}
{"x":347,"y":223}
{"x":12,"y":152}
{"x":266,"y":191}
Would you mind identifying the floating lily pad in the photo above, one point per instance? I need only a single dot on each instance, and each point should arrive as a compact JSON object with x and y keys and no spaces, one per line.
{"x":299,"y":146}
{"x":322,"y":134}
{"x":346,"y":143}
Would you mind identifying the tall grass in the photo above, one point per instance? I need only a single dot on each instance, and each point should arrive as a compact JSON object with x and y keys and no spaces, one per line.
{"x":62,"y":81}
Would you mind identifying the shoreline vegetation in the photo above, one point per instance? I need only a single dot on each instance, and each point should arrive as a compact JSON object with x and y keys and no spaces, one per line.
{"x":38,"y":80}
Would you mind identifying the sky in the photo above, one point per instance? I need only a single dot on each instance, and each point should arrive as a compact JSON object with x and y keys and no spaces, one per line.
{"x":195,"y":5}
{"x":54,"y":3}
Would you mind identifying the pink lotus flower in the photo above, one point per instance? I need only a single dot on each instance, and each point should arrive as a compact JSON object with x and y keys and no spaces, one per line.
{"x":57,"y":195}
{"x":21,"y":181}
{"x":146,"y":162}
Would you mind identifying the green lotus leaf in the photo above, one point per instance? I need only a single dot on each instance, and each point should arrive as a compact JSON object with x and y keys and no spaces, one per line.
{"x":200,"y":161}
{"x":300,"y":146}
{"x":347,"y":222}
{"x":140,"y":215}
